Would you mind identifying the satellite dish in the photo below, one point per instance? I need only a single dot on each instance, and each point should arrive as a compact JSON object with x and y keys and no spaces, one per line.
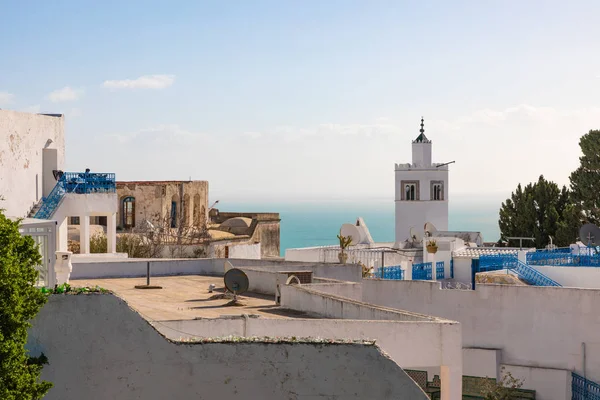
{"x":236,"y":281}
{"x":589,"y":234}
{"x":430,"y":229}
{"x":415,"y":235}
{"x":353,"y":231}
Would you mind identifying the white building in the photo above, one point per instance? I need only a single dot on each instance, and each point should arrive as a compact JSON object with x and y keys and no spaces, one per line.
{"x":31,"y":147}
{"x":421,"y":191}
{"x":32,"y":183}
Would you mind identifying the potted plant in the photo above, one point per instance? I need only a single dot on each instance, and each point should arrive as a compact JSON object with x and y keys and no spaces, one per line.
{"x":344,"y":244}
{"x":432,"y":246}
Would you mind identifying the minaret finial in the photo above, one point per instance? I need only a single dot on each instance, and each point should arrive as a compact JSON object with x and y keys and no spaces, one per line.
{"x":422,"y":125}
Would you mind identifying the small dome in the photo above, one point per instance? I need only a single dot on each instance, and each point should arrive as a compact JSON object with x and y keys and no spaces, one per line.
{"x":237,"y":222}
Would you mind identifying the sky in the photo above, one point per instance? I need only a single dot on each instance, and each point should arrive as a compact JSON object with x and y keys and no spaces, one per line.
{"x":309,"y":100}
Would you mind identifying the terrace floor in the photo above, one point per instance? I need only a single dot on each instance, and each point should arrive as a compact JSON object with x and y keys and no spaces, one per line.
{"x":187,"y":297}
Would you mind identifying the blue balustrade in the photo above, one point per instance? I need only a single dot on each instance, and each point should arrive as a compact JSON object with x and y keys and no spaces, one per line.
{"x":584,"y":389}
{"x":79,"y":183}
{"x":421,"y":272}
{"x":439,"y":270}
{"x":511,"y":262}
{"x":586,"y":257}
{"x":393,"y":272}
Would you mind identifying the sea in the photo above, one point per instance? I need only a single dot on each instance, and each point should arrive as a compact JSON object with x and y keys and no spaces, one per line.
{"x":316,"y":223}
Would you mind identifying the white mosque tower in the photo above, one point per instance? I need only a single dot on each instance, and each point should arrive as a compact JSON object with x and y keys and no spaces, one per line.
{"x":421,"y":191}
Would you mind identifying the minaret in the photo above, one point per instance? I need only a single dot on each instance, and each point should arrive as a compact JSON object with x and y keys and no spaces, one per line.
{"x":421,"y":191}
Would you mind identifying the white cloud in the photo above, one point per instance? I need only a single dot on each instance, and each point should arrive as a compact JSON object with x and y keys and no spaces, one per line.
{"x":34,"y":109}
{"x":143,"y":82}
{"x":6,"y":98}
{"x":291,"y":133}
{"x":253,"y":135}
{"x":166,"y":134}
{"x":65,"y":94}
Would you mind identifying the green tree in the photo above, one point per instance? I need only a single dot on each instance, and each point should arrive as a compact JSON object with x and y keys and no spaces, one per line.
{"x":585,"y":180}
{"x":539,"y":210}
{"x":19,"y":303}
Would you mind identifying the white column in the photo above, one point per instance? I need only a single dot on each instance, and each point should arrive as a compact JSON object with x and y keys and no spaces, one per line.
{"x":62,"y":235}
{"x":84,"y":234}
{"x":433,"y":269}
{"x":451,"y":382}
{"x":408,"y":270}
{"x":111,"y":233}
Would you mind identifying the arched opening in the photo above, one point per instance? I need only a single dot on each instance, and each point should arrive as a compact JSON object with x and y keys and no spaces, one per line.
{"x":129,"y":212}
{"x":197,"y":220}
{"x":174,"y":214}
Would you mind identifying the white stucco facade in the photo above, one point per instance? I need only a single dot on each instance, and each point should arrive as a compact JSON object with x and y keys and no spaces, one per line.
{"x":421,"y":193}
{"x":31,"y":146}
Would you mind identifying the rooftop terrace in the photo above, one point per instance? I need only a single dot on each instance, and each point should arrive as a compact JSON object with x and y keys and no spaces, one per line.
{"x":187,"y":298}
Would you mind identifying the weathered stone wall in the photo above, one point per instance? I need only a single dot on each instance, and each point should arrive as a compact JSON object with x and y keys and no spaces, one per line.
{"x":265,"y":229}
{"x":22,"y":139}
{"x":98,"y":348}
{"x":153,"y":199}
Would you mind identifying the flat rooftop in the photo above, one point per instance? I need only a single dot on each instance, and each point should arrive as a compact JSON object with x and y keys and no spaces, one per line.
{"x":186,"y":297}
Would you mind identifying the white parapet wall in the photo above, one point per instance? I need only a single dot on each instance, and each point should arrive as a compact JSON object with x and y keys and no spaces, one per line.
{"x":577,"y":277}
{"x":538,"y":327}
{"x":126,"y":359}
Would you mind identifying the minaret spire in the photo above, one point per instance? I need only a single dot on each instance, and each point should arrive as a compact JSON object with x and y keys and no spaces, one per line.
{"x":422,"y":138}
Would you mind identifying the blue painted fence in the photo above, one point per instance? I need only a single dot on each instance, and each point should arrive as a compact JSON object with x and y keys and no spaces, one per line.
{"x":421,"y":272}
{"x":589,"y":258}
{"x":392,"y":272}
{"x":511,"y":262}
{"x":439,"y":270}
{"x":584,"y":389}
{"x":76,"y":182}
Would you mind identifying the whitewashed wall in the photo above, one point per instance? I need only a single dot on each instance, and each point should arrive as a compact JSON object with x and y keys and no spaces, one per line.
{"x":22,"y":139}
{"x":126,"y":359}
{"x":581,"y":277}
{"x":541,"y":327}
{"x":462,"y":269}
{"x":245,"y":251}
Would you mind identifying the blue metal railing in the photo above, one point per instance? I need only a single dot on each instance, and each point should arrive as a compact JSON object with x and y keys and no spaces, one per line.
{"x":555,"y":250}
{"x":511,"y":262}
{"x":439,"y":270}
{"x":584,"y":389}
{"x":392,"y":272}
{"x":421,"y":272}
{"x":587,"y":257}
{"x":76,"y":182}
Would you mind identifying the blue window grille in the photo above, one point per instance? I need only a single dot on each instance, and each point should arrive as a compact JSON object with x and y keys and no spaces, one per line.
{"x":392,"y":272}
{"x":421,"y":272}
{"x":439,"y":270}
{"x":584,"y":389}
{"x":79,"y":183}
{"x":451,"y":268}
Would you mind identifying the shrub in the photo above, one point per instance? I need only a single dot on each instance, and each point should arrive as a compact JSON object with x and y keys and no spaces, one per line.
{"x":20,"y":301}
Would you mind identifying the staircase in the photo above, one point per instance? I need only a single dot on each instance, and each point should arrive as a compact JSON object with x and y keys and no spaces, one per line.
{"x":514,"y":265}
{"x":36,"y":207}
{"x":48,"y":206}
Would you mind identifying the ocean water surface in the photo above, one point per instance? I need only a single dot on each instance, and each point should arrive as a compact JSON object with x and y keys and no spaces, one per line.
{"x":317,"y":223}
